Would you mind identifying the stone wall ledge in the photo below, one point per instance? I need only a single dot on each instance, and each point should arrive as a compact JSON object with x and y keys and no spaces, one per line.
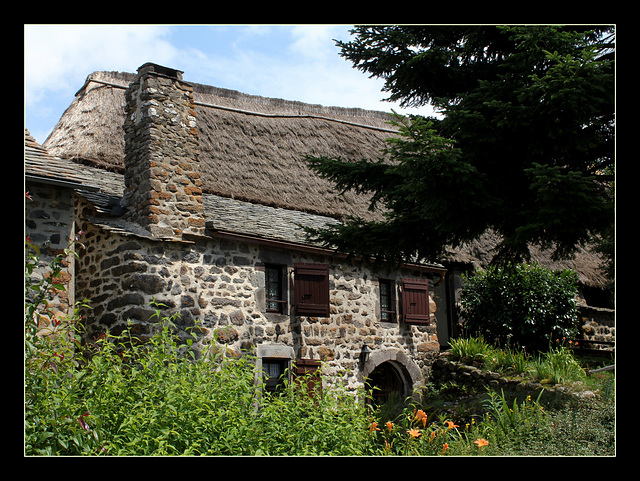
{"x":445,"y":369}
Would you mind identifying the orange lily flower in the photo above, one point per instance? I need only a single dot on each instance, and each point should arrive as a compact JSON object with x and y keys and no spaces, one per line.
{"x":450,"y":425}
{"x":421,"y":415}
{"x":389,"y":425}
{"x":481,"y":442}
{"x":374,"y":427}
{"x":445,"y":446}
{"x":414,"y":433}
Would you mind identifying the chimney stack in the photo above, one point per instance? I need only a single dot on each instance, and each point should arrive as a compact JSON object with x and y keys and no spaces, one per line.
{"x":162,"y":176}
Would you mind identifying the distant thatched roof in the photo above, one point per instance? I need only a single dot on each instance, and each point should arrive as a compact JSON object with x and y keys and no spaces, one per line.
{"x":585,"y":262}
{"x":251,"y":147}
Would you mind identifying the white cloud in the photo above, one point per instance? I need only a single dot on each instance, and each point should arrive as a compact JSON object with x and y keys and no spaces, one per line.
{"x":315,"y":41}
{"x":58,"y":57}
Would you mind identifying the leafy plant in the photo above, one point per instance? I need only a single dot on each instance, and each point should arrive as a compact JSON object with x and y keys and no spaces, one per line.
{"x":558,"y":365}
{"x":525,"y":306}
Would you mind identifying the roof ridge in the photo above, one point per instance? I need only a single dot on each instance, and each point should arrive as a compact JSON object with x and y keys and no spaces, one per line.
{"x":316,"y":111}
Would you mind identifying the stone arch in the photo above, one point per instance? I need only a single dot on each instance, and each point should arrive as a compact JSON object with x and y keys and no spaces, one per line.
{"x":398,"y":363}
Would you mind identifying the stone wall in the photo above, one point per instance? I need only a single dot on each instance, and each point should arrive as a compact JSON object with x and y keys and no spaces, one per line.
{"x":598,"y":324}
{"x":472,"y":375}
{"x":219,"y":285}
{"x":50,"y":224}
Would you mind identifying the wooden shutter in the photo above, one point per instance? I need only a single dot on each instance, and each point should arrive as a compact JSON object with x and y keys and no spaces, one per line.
{"x":311,"y":289}
{"x":308,"y":370}
{"x":415,"y":301}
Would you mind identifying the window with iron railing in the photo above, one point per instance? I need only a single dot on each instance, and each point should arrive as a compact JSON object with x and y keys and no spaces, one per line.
{"x":275,"y":289}
{"x":387,"y":300}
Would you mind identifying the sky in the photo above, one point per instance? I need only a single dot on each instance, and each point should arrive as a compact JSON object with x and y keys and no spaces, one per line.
{"x":292,"y":62}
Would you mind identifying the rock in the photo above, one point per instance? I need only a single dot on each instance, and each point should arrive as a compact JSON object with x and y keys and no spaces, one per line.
{"x":587,"y":395}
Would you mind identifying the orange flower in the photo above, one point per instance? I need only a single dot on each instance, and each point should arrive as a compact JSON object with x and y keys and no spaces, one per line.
{"x":445,"y":446}
{"x":481,"y":442}
{"x":374,"y":427}
{"x":414,"y":433}
{"x":450,"y":425}
{"x":389,"y":425}
{"x":421,"y":415}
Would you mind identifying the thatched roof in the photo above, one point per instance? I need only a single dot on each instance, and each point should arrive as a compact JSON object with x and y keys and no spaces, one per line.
{"x":585,"y":262}
{"x":252,"y":147}
{"x":252,"y":153}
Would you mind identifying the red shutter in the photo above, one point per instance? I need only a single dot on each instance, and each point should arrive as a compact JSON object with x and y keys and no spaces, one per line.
{"x":415,"y":301}
{"x":308,"y":371}
{"x":311,"y":289}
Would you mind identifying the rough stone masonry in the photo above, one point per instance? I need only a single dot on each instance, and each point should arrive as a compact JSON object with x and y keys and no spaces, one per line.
{"x":159,"y":251}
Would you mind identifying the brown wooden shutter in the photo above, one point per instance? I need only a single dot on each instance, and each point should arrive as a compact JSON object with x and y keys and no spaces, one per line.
{"x":308,"y":370}
{"x":415,"y":301}
{"x":311,"y":289}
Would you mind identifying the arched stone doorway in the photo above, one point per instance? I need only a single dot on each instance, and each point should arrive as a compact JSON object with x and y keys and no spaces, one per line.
{"x":388,"y":383}
{"x":393,"y":373}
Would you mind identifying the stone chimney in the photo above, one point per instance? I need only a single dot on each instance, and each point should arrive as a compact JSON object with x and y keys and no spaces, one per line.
{"x":162,"y":178}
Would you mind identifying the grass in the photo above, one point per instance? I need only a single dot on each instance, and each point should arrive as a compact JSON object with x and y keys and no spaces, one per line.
{"x":529,"y":423}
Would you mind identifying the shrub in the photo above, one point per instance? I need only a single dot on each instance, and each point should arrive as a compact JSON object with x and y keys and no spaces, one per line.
{"x":525,"y":306}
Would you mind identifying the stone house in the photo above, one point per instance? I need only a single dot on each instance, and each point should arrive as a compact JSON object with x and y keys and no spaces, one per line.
{"x":196,"y":197}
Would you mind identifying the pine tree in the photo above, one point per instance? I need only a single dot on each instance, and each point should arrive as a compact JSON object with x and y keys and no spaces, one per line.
{"x":524,"y":144}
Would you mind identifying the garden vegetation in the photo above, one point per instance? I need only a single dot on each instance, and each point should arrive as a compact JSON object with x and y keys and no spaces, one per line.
{"x":119,"y":395}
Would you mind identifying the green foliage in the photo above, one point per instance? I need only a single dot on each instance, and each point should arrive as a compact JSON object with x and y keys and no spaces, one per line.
{"x":558,"y":365}
{"x":426,"y":190}
{"x":524,"y":146}
{"x":120,"y":395}
{"x":520,"y":305}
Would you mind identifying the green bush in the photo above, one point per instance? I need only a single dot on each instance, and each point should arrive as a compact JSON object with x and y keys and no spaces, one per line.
{"x":524,"y":306}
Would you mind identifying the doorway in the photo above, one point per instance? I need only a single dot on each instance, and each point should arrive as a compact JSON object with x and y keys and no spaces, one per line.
{"x":388,"y":382}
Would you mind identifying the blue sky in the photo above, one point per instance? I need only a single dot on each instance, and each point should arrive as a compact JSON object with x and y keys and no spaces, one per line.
{"x":293,"y":62}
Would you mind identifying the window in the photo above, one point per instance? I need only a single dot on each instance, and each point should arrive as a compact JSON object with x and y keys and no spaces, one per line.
{"x":387,"y":300}
{"x":415,"y":301}
{"x":311,"y":289}
{"x":274,"y":373}
{"x":274,"y":288}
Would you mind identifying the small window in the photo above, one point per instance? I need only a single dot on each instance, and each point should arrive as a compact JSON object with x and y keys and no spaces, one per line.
{"x":274,"y":288}
{"x":387,"y":300}
{"x":274,"y":373}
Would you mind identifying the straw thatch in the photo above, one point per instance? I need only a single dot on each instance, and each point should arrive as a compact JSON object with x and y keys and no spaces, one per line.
{"x":251,"y":147}
{"x":585,"y":262}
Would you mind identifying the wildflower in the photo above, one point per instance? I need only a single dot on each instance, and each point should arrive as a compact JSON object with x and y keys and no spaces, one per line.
{"x":421,"y":415}
{"x":414,"y":433}
{"x":389,"y":425}
{"x":374,"y":427}
{"x":481,"y":442}
{"x":445,"y":446}
{"x":451,"y":425}
{"x":432,"y":436}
